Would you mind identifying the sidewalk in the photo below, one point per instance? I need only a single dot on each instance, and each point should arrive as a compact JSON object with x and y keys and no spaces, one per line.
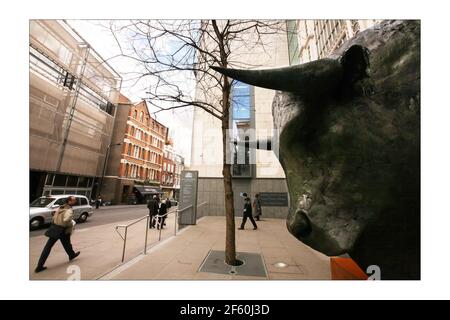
{"x":180,"y":257}
{"x":101,"y":250}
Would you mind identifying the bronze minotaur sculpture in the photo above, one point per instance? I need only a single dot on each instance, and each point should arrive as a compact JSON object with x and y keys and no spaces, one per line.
{"x":349,"y":139}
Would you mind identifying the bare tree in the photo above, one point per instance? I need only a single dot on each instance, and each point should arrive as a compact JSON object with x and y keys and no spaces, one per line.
{"x":174,"y":53}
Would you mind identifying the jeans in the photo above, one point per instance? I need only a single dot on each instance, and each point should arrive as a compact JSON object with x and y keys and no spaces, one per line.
{"x":65,"y":241}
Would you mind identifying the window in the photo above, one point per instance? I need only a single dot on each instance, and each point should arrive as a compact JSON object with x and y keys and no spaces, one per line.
{"x":241,"y":121}
{"x":72,"y":181}
{"x":241,"y":101}
{"x":60,"y":201}
{"x":49,"y":179}
{"x":68,"y":80}
{"x":83,"y":202}
{"x":42,"y":202}
{"x":83,"y":182}
{"x":60,"y":180}
{"x":138,"y":134}
{"x":135,"y":114}
{"x":141,"y":116}
{"x":293,"y":45}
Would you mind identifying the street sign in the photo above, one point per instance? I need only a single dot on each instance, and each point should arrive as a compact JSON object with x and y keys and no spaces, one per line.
{"x":188,"y":197}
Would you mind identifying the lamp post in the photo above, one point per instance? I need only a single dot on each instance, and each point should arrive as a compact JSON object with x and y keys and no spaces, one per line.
{"x":104,"y":166}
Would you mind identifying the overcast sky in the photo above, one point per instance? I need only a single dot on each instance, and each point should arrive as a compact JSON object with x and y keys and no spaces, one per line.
{"x":179,"y":121}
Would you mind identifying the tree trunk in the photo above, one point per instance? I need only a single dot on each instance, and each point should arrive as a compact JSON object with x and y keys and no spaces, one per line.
{"x":230,"y":244}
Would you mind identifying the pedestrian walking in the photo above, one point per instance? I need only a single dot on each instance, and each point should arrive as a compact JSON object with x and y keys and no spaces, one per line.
{"x":168,"y":205}
{"x":98,"y":202}
{"x":152,"y":211}
{"x":257,"y":207}
{"x":162,"y":214}
{"x":247,"y":213}
{"x":60,"y":229}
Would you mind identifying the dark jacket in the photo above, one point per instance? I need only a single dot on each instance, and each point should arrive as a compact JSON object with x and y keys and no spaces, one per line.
{"x":162,"y":209}
{"x":248,"y":208}
{"x":153,"y":207}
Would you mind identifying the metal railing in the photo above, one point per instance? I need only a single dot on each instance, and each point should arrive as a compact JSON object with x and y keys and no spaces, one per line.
{"x":159,"y":222}
{"x":124,"y":237}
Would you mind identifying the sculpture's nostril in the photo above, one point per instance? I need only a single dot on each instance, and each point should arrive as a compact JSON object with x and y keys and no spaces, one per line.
{"x":303,"y":224}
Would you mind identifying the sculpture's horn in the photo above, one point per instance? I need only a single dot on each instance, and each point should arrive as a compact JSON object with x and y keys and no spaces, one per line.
{"x":321,"y":77}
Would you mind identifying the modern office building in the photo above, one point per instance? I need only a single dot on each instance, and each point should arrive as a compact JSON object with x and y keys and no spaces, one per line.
{"x":310,"y":40}
{"x":255,"y":171}
{"x":73,"y":100}
{"x":134,"y":166}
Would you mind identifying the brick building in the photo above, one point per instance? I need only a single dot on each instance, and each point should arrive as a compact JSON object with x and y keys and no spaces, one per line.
{"x":168,"y":170}
{"x":133,"y":171}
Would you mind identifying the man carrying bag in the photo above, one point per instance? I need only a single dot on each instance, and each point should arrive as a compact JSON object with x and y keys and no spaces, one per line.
{"x":60,"y":229}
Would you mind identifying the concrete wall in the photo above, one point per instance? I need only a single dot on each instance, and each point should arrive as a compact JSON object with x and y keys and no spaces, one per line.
{"x":211,"y":190}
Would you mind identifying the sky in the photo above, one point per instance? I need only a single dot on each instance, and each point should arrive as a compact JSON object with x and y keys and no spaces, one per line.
{"x":179,"y":121}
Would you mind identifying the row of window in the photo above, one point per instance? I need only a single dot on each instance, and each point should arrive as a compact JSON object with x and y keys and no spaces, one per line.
{"x":139,"y":172}
{"x":143,"y":136}
{"x":145,"y":120}
{"x":62,"y":180}
{"x":140,"y":153}
{"x":169,"y":155}
{"x":167,"y":167}
{"x":327,"y":33}
{"x":167,"y":179}
{"x":81,"y":192}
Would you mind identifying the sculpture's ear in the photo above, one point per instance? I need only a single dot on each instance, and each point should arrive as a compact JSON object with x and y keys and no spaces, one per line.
{"x":355,"y":62}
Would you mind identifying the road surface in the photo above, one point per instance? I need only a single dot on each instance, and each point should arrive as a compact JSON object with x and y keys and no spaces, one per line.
{"x":106,"y":215}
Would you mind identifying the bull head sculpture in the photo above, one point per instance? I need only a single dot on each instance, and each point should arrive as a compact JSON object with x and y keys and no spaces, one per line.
{"x":350,"y":147}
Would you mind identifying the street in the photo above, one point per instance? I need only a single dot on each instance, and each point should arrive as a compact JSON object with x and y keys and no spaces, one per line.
{"x":105,"y":215}
{"x":100,"y":245}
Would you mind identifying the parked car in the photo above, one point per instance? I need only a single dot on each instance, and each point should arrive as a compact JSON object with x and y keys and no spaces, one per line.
{"x":43,"y":208}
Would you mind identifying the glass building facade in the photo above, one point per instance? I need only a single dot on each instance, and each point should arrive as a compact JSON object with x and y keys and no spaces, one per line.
{"x":242,"y":105}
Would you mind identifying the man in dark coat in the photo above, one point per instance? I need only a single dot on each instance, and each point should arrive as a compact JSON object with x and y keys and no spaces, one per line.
{"x":247,"y":213}
{"x":152,"y":211}
{"x":162,"y":212}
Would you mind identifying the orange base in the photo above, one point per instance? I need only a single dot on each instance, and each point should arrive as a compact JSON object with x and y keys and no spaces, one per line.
{"x":346,"y":269}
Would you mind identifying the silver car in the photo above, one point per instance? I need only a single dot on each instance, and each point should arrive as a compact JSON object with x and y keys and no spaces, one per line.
{"x":43,"y":208}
